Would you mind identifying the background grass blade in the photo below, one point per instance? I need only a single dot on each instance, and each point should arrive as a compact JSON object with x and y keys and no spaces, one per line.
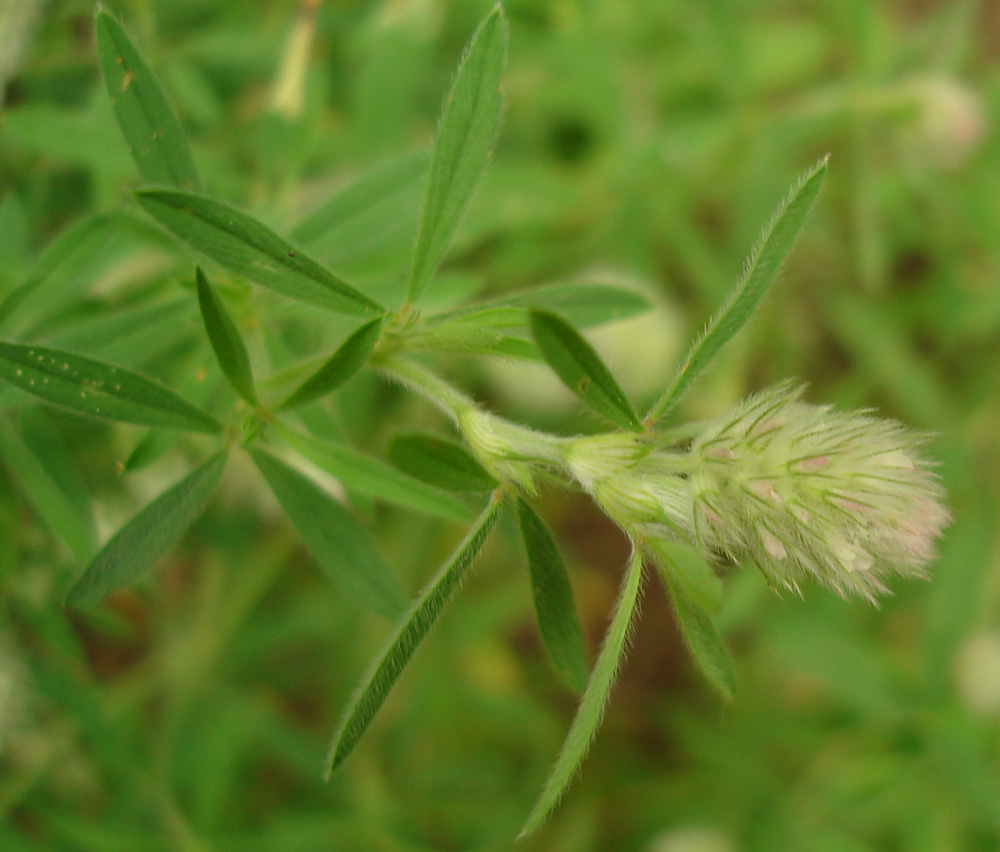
{"x":150,"y":128}
{"x":411,"y":630}
{"x":465,"y":138}
{"x":157,"y":528}
{"x":441,"y":462}
{"x":343,"y":547}
{"x":591,"y":709}
{"x":228,"y":346}
{"x":363,"y":474}
{"x":99,"y":390}
{"x":250,"y":248}
{"x":581,"y":368}
{"x":700,"y":635}
{"x":350,"y":357}
{"x":762,"y":267}
{"x":555,"y":608}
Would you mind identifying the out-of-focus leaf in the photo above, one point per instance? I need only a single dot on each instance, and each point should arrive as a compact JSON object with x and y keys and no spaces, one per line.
{"x":350,"y":357}
{"x":369,"y":476}
{"x":700,"y":635}
{"x":555,"y":608}
{"x":441,"y":462}
{"x":470,"y":336}
{"x":581,"y":368}
{"x":137,"y":545}
{"x":85,"y":233}
{"x":340,"y":544}
{"x":581,"y":305}
{"x":689,"y":569}
{"x":465,"y":138}
{"x":228,"y":346}
{"x":408,"y":634}
{"x":99,"y":390}
{"x":154,"y":135}
{"x":374,"y":191}
{"x":40,"y":460}
{"x":250,"y":248}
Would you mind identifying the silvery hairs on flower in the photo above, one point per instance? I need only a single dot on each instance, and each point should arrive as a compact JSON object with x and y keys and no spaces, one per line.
{"x":804,"y":491}
{"x":801,"y":491}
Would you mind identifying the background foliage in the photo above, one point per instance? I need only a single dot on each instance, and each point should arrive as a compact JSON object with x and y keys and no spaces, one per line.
{"x":644,"y":142}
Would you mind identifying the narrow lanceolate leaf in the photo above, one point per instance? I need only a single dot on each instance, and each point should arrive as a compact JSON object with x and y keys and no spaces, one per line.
{"x":700,"y":635}
{"x":404,"y":640}
{"x":39,"y":459}
{"x":762,"y":268}
{"x":582,"y":305}
{"x":250,"y":248}
{"x":334,"y":536}
{"x":465,"y":138}
{"x":99,"y":390}
{"x":373,"y":478}
{"x":441,"y":462}
{"x":136,"y":546}
{"x":226,"y":342}
{"x":150,"y":128}
{"x":591,"y":709}
{"x":581,"y":368}
{"x":350,"y":357}
{"x":554,"y":606}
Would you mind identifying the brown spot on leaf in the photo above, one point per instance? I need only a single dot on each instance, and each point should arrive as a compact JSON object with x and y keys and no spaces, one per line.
{"x":127,"y":79}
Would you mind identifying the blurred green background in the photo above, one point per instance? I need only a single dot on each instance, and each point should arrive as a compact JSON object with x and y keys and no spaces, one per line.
{"x":645,"y":142}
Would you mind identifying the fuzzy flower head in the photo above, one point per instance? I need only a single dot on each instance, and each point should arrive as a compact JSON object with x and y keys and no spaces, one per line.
{"x":807,"y":492}
{"x":801,"y":491}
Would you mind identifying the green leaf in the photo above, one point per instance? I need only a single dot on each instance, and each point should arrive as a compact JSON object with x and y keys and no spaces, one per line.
{"x":150,"y":447}
{"x":558,"y":621}
{"x":761,"y":270}
{"x":690,"y":570}
{"x":371,"y":477}
{"x":371,"y":192}
{"x":350,"y":357}
{"x":158,"y":527}
{"x":47,"y":471}
{"x":591,"y":709}
{"x":226,"y":342}
{"x":441,"y":462}
{"x":408,"y":634}
{"x":150,"y":128}
{"x":83,"y":234}
{"x":340,"y":544}
{"x":98,"y":389}
{"x":582,"y":305}
{"x":581,"y":368}
{"x":698,"y":632}
{"x":250,"y":248}
{"x":465,"y":138}
{"x":469,"y":336}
